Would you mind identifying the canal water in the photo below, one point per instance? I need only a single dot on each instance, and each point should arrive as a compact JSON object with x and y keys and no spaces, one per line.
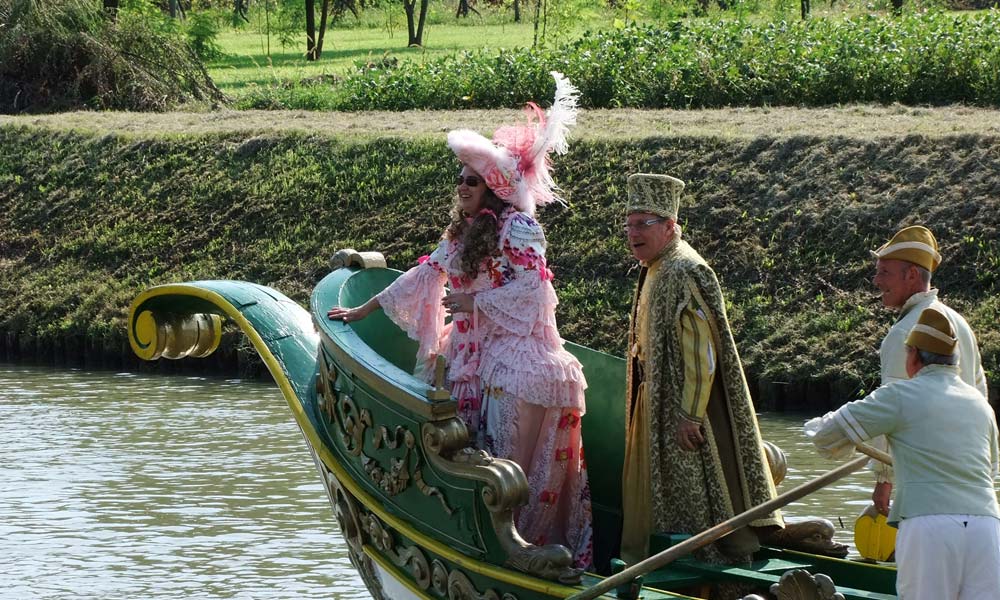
{"x":117,"y":485}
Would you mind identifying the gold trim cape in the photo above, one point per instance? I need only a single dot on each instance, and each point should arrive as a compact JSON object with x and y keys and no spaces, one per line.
{"x":688,"y":491}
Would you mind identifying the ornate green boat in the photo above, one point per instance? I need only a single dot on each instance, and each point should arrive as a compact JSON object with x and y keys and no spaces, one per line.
{"x":424,"y":514}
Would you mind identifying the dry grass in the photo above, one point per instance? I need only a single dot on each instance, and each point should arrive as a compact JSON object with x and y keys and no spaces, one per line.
{"x":857,"y":122}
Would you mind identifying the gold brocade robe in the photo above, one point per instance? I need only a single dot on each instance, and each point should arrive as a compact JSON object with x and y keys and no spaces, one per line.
{"x":666,"y":488}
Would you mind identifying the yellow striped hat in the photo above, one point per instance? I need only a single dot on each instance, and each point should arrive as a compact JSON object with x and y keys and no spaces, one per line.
{"x":654,"y":194}
{"x":913,"y":244}
{"x":933,"y":333}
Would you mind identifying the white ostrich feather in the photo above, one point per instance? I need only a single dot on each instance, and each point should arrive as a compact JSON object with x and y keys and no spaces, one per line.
{"x":559,"y":118}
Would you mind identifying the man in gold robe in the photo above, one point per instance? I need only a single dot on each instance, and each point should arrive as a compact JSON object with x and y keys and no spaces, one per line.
{"x":693,"y":453}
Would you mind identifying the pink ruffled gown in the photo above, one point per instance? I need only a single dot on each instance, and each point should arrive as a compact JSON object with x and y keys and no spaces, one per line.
{"x":517,"y":388}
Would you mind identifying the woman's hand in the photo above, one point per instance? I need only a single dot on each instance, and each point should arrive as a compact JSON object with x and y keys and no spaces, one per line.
{"x":348,"y":315}
{"x":458,"y":303}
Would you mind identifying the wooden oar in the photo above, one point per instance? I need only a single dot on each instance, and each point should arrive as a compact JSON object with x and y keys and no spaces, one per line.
{"x":875,"y":453}
{"x":722,"y":529}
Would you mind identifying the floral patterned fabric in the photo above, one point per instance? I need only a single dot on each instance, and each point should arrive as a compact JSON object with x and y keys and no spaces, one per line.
{"x":518,"y":390}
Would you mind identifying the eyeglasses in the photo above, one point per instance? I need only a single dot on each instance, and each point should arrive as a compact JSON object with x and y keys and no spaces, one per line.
{"x":641,"y":225}
{"x":469,"y":180}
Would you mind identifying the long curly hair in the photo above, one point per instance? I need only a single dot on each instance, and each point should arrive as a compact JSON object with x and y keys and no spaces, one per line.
{"x":481,"y":237}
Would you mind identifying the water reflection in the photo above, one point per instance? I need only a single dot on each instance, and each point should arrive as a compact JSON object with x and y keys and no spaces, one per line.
{"x":132,"y":486}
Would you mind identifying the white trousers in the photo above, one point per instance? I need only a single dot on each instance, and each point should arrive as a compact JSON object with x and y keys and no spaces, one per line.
{"x":948,"y":557}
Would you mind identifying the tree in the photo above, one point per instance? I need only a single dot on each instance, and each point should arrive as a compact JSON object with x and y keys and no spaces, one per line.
{"x":240,"y":9}
{"x":464,"y":6}
{"x":415,"y":29}
{"x":314,"y":35}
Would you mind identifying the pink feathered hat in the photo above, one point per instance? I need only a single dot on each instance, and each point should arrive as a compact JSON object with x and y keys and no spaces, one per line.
{"x":515,"y":164}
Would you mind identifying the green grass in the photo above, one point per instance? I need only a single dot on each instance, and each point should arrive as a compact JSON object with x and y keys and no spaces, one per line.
{"x":247,"y":63}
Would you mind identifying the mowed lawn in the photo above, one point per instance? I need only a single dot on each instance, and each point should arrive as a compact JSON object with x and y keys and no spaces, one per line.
{"x":247,"y":62}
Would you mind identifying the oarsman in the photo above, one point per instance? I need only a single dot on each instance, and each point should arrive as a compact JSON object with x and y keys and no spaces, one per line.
{"x":944,"y":439}
{"x":903,"y":276}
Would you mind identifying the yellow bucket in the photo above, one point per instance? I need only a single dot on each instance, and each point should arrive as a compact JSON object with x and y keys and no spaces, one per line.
{"x":873,"y":536}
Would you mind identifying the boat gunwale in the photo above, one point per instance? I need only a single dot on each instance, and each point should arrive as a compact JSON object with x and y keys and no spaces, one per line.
{"x":374,"y":370}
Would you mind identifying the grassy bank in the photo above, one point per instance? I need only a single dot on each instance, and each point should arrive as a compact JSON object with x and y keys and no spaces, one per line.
{"x":785,"y":212}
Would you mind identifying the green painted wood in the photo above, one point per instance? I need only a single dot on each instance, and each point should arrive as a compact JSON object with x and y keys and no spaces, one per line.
{"x":719,"y":573}
{"x":604,"y":446}
{"x":285,"y":327}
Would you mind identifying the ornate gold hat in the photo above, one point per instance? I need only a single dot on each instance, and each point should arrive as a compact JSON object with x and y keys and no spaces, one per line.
{"x":914,"y":244}
{"x":933,"y":333}
{"x":655,"y":194}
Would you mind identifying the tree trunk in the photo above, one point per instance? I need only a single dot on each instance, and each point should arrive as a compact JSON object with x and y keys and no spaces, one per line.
{"x":897,"y":7}
{"x":240,"y":9}
{"x":311,"y":53}
{"x":419,"y":40}
{"x":538,"y":14}
{"x":545,"y":18}
{"x":805,"y":9}
{"x":173,"y":9}
{"x":411,"y":29}
{"x":322,"y":27}
{"x":517,"y":11}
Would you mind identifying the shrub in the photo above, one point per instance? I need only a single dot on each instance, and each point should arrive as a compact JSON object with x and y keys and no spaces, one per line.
{"x":918,"y":58}
{"x":67,"y":54}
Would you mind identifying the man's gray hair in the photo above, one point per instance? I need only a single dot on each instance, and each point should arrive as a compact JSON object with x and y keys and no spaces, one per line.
{"x":925,"y":275}
{"x":933,"y":358}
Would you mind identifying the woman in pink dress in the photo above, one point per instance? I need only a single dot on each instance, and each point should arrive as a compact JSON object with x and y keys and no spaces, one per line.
{"x":518,"y":390}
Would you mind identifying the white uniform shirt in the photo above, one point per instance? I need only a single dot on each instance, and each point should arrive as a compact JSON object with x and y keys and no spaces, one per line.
{"x":944,"y":440}
{"x":892,"y":356}
{"x":892,"y":353}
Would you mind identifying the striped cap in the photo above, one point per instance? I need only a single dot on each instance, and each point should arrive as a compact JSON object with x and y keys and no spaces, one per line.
{"x":913,"y":244}
{"x":654,"y":194}
{"x":933,"y":333}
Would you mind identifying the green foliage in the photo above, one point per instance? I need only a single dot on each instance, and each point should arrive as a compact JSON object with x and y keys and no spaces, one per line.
{"x":202,"y":31}
{"x":918,"y":58}
{"x":91,"y":220}
{"x":65,"y":54}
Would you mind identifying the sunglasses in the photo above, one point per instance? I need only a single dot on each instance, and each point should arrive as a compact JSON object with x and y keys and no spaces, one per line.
{"x":469,"y":180}
{"x":641,"y":225}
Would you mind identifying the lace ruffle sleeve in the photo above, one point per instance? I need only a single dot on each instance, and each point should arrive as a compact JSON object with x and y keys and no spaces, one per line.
{"x":413,"y":302}
{"x":527,"y":297}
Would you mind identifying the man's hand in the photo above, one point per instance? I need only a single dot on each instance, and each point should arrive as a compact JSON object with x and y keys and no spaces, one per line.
{"x":689,"y":434}
{"x":880,"y":497}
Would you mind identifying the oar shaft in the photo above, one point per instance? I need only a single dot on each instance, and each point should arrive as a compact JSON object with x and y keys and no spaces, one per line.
{"x":875,"y":453}
{"x":710,"y":535}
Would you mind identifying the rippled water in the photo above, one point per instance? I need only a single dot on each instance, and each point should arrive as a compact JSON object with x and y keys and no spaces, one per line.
{"x":134,"y":486}
{"x":130,"y":486}
{"x":841,"y":502}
